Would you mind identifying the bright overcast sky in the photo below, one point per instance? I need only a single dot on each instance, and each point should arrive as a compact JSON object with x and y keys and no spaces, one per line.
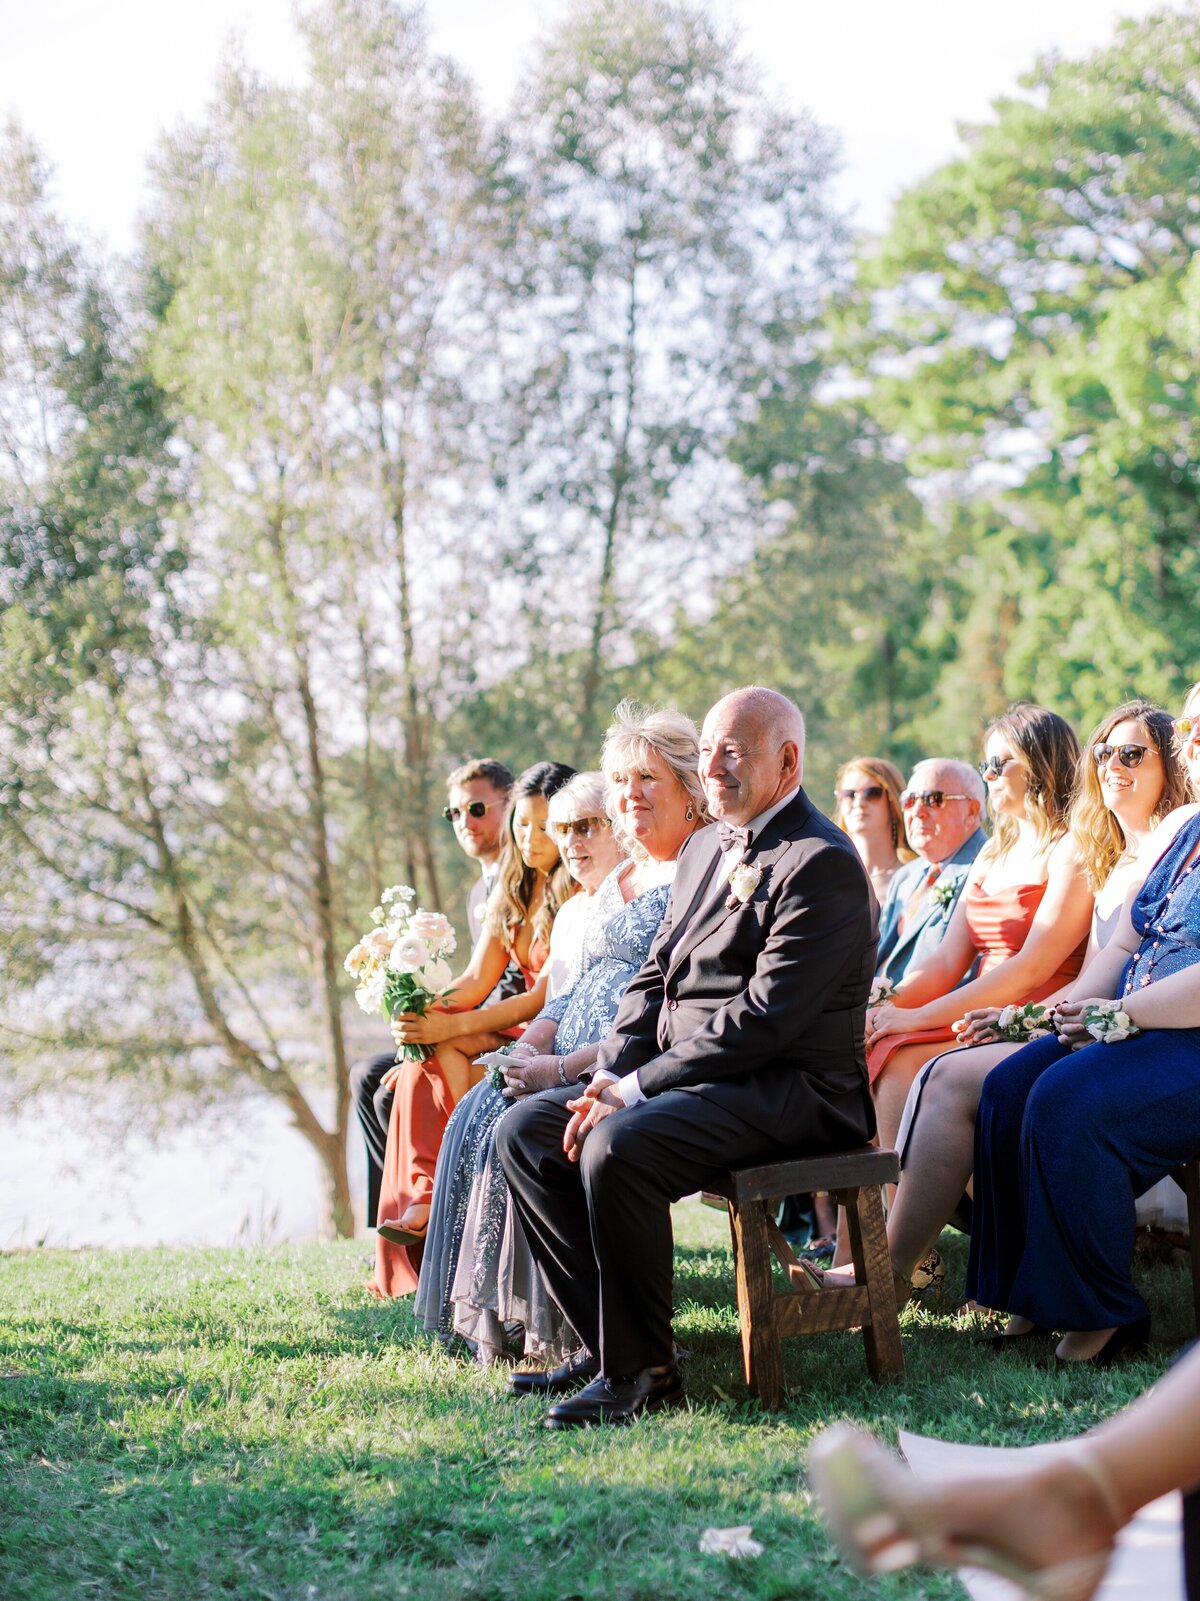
{"x":96,"y":83}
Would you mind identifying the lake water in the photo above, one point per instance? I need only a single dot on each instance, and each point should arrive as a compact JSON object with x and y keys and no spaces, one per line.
{"x":245,"y":1176}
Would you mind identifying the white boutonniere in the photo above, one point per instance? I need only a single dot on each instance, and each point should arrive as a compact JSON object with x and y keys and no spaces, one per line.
{"x":744,"y":878}
{"x":944,"y":892}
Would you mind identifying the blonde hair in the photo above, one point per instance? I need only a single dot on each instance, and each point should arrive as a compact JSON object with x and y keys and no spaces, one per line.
{"x":1096,"y":830}
{"x":1049,"y":749}
{"x":634,"y":732}
{"x":889,"y":776}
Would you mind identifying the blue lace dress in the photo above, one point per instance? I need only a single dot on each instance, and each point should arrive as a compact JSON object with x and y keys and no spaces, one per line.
{"x":477,"y":1276}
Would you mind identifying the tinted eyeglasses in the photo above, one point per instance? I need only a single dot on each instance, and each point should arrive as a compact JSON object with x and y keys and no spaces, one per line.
{"x":1184,"y":726}
{"x":868,"y":792}
{"x":933,"y":798}
{"x":585,"y":827}
{"x":475,"y":809}
{"x":1127,"y":755}
{"x":993,"y":766}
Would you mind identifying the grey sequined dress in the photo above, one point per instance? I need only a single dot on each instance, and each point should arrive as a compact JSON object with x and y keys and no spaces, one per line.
{"x":477,"y":1274}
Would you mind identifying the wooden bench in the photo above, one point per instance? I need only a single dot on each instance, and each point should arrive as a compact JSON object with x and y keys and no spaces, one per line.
{"x":751,"y":1195}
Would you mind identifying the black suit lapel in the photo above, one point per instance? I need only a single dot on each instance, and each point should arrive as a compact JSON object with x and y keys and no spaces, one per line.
{"x":704,"y":917}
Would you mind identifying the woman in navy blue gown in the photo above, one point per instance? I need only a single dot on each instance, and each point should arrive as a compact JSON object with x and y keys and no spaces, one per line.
{"x":1070,"y":1130}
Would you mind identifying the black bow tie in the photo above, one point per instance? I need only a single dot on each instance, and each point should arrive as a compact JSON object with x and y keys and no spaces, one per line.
{"x":730,"y":837}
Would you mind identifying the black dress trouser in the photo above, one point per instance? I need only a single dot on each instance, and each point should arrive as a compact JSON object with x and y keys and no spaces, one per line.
{"x":374,"y":1108}
{"x":600,"y":1229}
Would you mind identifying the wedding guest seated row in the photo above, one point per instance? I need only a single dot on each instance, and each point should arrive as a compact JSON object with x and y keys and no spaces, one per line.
{"x":476,"y":801}
{"x":532,"y":884}
{"x":1076,"y":1125}
{"x":1128,"y":781}
{"x":478,"y":1278}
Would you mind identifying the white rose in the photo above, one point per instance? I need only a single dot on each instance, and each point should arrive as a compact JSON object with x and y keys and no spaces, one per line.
{"x":1007,"y":1013}
{"x":369,"y":993}
{"x":437,"y":931}
{"x":744,"y":880}
{"x":356,"y":957}
{"x":408,"y":954}
{"x":436,"y":975}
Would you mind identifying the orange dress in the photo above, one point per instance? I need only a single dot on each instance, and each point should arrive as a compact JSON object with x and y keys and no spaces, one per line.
{"x":421,"y":1109}
{"x":999,"y":925}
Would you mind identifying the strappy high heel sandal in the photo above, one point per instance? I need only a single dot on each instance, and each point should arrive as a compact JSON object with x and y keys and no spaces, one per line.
{"x":884,"y":1519}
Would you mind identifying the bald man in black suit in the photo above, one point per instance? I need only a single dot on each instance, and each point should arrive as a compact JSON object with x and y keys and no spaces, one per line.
{"x":740,"y":1040}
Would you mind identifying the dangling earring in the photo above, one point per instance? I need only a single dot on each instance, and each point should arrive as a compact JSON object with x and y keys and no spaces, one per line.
{"x":690,"y":814}
{"x":895,"y":834}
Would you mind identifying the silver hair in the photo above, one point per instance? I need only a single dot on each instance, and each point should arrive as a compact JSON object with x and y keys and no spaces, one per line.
{"x":581,"y":796}
{"x":965,"y":776}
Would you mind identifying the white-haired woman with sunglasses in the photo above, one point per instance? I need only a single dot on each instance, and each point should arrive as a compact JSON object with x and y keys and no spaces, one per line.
{"x":1129,"y":786}
{"x":478,"y":1278}
{"x":1020,"y":924}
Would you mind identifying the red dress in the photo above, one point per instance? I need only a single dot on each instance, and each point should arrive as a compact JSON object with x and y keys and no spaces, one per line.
{"x":999,"y":925}
{"x":421,"y":1109}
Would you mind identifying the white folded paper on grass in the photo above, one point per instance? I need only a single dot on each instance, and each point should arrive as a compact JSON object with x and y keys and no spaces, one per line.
{"x":1147,"y":1564}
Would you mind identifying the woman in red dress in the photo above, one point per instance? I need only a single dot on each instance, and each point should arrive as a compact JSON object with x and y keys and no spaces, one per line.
{"x":1021,"y":921}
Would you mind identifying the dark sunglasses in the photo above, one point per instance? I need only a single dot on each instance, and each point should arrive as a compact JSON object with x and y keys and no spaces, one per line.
{"x":475,"y":809}
{"x":583,"y":826}
{"x":993,"y":766}
{"x":868,"y":792}
{"x":1127,"y":755}
{"x":933,"y":798}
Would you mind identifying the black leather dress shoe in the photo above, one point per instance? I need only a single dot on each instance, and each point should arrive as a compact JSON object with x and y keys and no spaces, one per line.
{"x":619,"y":1400}
{"x":568,"y":1376}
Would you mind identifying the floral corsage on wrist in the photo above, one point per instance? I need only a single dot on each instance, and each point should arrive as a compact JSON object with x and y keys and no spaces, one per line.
{"x":1108,"y":1022}
{"x":1022,"y":1023}
{"x":744,"y":879}
{"x":881,"y":990}
{"x":495,"y":1069}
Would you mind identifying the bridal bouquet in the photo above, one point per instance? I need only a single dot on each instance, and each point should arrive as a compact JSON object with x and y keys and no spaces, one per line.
{"x":399,"y":964}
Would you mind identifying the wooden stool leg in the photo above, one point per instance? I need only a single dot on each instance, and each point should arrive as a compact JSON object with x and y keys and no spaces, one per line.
{"x":756,"y":1303}
{"x":873,"y":1267}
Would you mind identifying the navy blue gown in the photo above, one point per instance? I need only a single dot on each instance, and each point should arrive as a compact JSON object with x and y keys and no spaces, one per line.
{"x":1065,"y":1141}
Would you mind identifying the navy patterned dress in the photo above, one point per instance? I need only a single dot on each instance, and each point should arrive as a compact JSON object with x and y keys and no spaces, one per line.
{"x":477,"y":1275}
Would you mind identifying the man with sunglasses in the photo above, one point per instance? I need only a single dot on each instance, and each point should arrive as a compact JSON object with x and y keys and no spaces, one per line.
{"x":942,"y":808}
{"x":476,"y":798}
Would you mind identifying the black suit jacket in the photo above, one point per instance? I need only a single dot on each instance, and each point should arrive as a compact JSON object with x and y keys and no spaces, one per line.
{"x":761,"y":1007}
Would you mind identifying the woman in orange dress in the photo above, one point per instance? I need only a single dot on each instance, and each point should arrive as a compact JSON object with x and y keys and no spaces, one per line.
{"x":531,"y":886}
{"x":1021,"y":921}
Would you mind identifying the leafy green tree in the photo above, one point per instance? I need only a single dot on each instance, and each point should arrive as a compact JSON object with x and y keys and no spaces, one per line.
{"x":677,"y":237}
{"x":1031,"y":320}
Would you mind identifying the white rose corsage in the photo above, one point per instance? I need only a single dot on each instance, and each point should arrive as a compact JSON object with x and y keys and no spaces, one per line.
{"x":881,"y":990}
{"x":1108,"y":1023}
{"x":744,"y":878}
{"x":943,"y":892}
{"x":1021,"y":1023}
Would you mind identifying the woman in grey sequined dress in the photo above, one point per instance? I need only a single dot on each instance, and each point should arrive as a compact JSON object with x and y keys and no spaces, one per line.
{"x":478,"y":1277}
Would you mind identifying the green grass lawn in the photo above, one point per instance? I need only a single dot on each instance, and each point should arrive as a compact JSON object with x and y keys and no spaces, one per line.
{"x":249,"y":1424}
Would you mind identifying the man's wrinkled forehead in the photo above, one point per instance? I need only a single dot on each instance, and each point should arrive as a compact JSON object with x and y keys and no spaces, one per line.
{"x":933,"y":775}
